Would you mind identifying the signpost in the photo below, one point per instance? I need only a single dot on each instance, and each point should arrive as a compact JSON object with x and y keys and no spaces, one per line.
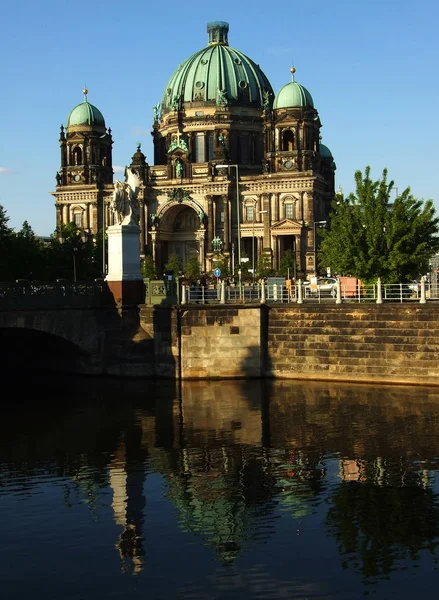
{"x":217,"y":272}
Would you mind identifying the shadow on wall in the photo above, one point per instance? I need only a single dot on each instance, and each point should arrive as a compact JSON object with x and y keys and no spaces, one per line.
{"x":257,"y":362}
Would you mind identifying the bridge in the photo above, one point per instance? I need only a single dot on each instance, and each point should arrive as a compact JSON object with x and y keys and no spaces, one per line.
{"x":71,"y":327}
{"x":79,"y":328}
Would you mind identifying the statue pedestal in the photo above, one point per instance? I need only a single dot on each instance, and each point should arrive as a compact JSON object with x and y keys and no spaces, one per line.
{"x":124,"y":278}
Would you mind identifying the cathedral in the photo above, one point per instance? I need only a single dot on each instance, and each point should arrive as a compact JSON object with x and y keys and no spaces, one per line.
{"x":239,"y":170}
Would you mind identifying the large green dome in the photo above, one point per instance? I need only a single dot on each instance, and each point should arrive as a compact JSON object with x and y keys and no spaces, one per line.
{"x":217,"y":73}
{"x":324,"y":151}
{"x":85,"y":114}
{"x":293,"y":95}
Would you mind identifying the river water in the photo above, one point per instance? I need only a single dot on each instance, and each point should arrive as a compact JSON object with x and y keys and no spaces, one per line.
{"x":217,"y":490}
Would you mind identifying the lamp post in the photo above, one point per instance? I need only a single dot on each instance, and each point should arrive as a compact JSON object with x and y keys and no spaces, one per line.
{"x":315,"y":224}
{"x":253,"y":242}
{"x":73,"y":242}
{"x":238,"y":212}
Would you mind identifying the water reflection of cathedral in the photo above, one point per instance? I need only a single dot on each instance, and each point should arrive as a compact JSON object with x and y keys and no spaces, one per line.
{"x":233,"y":458}
{"x":218,"y":108}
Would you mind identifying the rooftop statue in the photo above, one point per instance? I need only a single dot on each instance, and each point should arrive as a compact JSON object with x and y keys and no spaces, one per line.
{"x":124,"y":203}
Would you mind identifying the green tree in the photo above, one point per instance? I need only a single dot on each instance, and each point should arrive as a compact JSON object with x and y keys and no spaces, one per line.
{"x":174,"y":264}
{"x":192,"y":271}
{"x":370,"y":237}
{"x":263,"y":268}
{"x":287,"y":264}
{"x":223,"y":266}
{"x":148,"y":267}
{"x":29,"y":257}
{"x":6,"y":239}
{"x":246,"y":276}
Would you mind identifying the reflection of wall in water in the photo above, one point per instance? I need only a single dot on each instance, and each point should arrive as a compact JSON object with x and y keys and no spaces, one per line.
{"x":324,"y":417}
{"x":219,"y":410}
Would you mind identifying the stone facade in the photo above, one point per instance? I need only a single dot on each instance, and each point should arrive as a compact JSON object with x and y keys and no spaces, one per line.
{"x":232,"y":161}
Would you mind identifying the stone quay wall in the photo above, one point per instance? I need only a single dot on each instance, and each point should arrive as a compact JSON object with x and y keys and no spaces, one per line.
{"x":387,"y":343}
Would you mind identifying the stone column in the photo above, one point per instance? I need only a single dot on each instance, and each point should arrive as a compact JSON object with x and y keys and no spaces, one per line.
{"x":58,"y":216}
{"x":276,"y":139}
{"x":143,"y":225}
{"x":276,"y":207}
{"x":226,"y":224}
{"x":210,"y":222}
{"x":201,"y":237}
{"x":266,"y":219}
{"x":86,"y":217}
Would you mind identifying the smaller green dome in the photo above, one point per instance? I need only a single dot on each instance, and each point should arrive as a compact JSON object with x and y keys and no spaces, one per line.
{"x":293,"y":95}
{"x":325,"y":152}
{"x":85,"y":114}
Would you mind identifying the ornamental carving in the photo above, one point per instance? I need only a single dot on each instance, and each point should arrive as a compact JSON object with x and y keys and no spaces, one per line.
{"x":179,"y":194}
{"x":178,"y":143}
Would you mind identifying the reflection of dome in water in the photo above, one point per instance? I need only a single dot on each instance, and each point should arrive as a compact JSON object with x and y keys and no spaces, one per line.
{"x":214,"y":508}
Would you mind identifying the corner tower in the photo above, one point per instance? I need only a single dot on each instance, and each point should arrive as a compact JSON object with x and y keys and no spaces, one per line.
{"x":85,"y":177}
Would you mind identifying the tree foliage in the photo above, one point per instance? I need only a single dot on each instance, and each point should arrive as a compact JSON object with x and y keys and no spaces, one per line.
{"x":369,"y":236}
{"x":23,"y":255}
{"x":149,"y":270}
{"x":287,"y":264}
{"x":192,"y":270}
{"x":174,"y":264}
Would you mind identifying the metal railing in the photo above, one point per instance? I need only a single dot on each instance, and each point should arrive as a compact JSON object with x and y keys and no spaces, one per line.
{"x":25,"y":294}
{"x":62,"y":293}
{"x":304,"y":293}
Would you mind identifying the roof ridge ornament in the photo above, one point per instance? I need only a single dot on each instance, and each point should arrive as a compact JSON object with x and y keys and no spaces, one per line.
{"x":85,"y":92}
{"x":292,"y":71}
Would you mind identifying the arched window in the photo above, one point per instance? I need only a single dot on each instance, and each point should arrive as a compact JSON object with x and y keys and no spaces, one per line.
{"x":287,"y":141}
{"x":77,"y":156}
{"x":77,"y":218}
{"x":249,"y":212}
{"x":200,"y":147}
{"x":290,"y":208}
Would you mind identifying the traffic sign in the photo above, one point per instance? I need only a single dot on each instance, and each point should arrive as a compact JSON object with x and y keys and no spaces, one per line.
{"x":217,"y":272}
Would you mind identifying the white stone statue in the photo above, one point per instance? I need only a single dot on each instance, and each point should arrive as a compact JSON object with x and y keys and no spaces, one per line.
{"x":124,"y":203}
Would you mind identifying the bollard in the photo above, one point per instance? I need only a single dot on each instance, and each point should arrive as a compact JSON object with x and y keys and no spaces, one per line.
{"x":379,"y":292}
{"x":183,"y":294}
{"x":338,"y":297}
{"x":223,"y":293}
{"x":299,"y":292}
{"x":423,"y":299}
{"x":263,"y":293}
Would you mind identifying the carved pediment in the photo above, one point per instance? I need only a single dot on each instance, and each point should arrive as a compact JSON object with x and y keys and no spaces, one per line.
{"x":286,"y":226}
{"x":77,"y":136}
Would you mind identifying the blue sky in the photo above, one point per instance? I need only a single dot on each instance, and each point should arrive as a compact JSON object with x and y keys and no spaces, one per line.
{"x":371,"y":68}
